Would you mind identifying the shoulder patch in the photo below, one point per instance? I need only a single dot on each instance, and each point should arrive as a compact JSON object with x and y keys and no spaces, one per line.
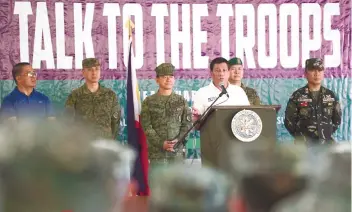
{"x":115,"y":115}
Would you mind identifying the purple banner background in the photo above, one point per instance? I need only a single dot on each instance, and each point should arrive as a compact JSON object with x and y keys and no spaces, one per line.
{"x":10,"y":50}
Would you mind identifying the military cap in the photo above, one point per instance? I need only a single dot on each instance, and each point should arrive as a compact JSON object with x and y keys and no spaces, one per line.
{"x":165,"y":69}
{"x":314,"y":63}
{"x":330,"y":183}
{"x":181,"y":188}
{"x":252,"y":158}
{"x":62,"y":167}
{"x":90,"y":62}
{"x":235,"y":61}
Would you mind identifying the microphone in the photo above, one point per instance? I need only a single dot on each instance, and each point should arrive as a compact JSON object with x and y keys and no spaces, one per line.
{"x":183,"y":140}
{"x":223,"y":89}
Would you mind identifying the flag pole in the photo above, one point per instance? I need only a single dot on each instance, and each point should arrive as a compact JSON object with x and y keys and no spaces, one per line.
{"x":129,"y":25}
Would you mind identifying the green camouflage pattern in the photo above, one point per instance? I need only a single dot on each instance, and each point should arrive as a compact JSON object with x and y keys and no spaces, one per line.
{"x":328,"y":191}
{"x":310,"y":121}
{"x":165,"y":69}
{"x":101,"y":110}
{"x":314,"y":63}
{"x":252,"y":95}
{"x":61,"y":168}
{"x":90,"y":62}
{"x":181,"y":188}
{"x":164,"y":118}
{"x":272,"y":91}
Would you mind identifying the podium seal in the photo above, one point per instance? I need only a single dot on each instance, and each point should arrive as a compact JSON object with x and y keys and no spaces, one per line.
{"x":246,"y":125}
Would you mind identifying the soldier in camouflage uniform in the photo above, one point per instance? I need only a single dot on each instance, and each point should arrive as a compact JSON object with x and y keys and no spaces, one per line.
{"x":58,"y":167}
{"x":165,"y":116}
{"x":313,"y":112}
{"x":180,"y":188}
{"x":94,"y":104}
{"x":236,"y":75}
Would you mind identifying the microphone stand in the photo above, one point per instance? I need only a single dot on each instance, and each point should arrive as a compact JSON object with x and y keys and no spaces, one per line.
{"x":183,"y":141}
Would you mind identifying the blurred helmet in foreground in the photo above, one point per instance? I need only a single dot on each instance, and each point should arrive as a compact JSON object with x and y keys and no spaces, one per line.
{"x":181,"y":188}
{"x":330,"y":187}
{"x":56,"y":167}
{"x":265,"y":174}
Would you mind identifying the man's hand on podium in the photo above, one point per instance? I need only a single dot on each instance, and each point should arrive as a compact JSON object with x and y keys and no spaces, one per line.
{"x":169,"y":145}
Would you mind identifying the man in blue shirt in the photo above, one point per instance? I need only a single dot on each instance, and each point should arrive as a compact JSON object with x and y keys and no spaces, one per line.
{"x":24,"y":101}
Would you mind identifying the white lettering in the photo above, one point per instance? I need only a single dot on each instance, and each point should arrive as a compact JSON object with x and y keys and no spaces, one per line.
{"x":292,"y":11}
{"x":178,"y":37}
{"x":244,"y":45}
{"x":83,"y":35}
{"x":159,"y":11}
{"x":225,"y":11}
{"x":186,"y":96}
{"x":23,"y":9}
{"x":333,"y":35}
{"x":42,"y":32}
{"x":199,"y":36}
{"x":264,"y":61}
{"x":280,"y":120}
{"x":62,"y":61}
{"x":308,"y":44}
{"x":136,"y":11}
{"x":112,"y":10}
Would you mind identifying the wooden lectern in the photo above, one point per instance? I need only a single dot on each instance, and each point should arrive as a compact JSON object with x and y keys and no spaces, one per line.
{"x":224,"y":125}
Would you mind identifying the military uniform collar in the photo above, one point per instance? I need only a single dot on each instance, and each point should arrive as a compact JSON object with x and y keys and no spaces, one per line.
{"x":243,"y":86}
{"x":87,"y":91}
{"x":322,"y":89}
{"x":172,"y":94}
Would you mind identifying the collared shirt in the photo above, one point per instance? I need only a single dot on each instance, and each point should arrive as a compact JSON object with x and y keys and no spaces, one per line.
{"x":205,"y":96}
{"x":19,"y":105}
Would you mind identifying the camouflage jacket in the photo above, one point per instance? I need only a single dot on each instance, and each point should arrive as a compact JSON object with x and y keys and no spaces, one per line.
{"x":100,"y":109}
{"x":164,"y":120}
{"x":313,"y":121}
{"x":251,"y":94}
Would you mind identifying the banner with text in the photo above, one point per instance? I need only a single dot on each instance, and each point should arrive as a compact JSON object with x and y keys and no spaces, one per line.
{"x":272,"y":38}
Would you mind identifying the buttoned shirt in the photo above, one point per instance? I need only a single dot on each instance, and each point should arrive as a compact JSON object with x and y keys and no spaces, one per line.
{"x":205,"y":96}
{"x":19,"y":105}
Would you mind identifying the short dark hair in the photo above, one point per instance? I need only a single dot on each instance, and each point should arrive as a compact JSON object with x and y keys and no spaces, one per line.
{"x":217,"y":60}
{"x":17,"y":69}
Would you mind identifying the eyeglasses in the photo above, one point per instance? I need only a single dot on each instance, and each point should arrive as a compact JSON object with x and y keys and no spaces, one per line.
{"x":31,"y":74}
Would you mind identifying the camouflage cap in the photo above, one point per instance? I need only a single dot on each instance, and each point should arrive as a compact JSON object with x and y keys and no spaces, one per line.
{"x":62,"y":169}
{"x":263,"y":158}
{"x":165,"y":69}
{"x":314,"y":63}
{"x":181,"y":188}
{"x":235,"y":61}
{"x":90,"y":62}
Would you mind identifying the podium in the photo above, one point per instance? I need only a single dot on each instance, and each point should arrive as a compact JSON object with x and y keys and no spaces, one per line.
{"x":224,"y":125}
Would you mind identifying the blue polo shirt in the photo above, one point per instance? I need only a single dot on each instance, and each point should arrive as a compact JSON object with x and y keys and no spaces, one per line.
{"x":19,"y":105}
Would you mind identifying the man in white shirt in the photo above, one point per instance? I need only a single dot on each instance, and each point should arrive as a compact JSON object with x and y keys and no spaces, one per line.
{"x":205,"y":96}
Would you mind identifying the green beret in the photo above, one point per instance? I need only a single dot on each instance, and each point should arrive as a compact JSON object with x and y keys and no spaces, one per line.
{"x":165,"y":69}
{"x":90,"y":62}
{"x":314,"y":63}
{"x":235,"y":61}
